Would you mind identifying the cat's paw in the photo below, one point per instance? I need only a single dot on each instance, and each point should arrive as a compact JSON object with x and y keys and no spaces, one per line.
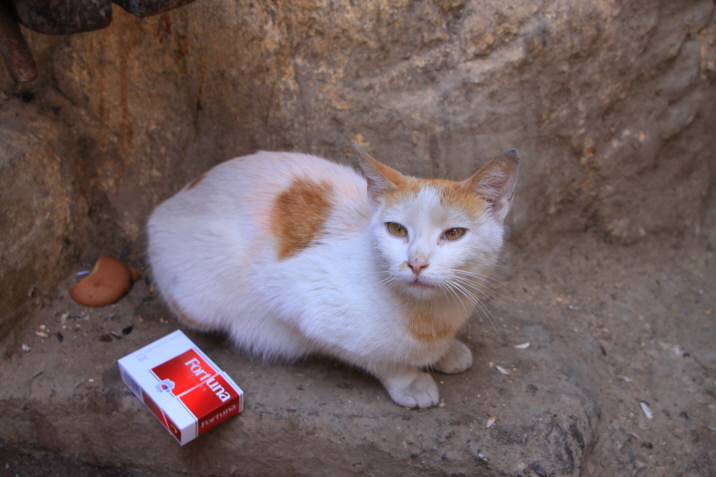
{"x":411,"y":388}
{"x":420,"y":392}
{"x":457,"y":359}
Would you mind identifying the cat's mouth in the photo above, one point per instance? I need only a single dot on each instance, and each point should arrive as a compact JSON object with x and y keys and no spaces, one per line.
{"x":420,"y":289}
{"x":418,"y":283}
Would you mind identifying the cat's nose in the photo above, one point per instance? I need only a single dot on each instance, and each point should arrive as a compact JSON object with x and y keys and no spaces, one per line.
{"x":417,"y":265}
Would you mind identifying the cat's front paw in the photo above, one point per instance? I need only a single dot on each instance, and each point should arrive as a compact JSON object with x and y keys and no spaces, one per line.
{"x":457,"y":359}
{"x":410,"y":387}
{"x":421,"y":392}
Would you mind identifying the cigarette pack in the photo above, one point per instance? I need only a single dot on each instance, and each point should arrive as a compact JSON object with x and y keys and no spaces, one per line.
{"x":185,"y":390}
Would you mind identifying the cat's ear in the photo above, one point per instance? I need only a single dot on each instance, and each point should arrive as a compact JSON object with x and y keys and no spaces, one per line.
{"x":381,"y":178}
{"x":495,"y":182}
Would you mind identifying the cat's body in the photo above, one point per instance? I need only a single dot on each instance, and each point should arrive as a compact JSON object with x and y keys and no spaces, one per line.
{"x":291,"y":255}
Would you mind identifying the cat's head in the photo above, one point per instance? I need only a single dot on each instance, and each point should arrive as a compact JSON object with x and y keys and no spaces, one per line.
{"x":438,"y":237}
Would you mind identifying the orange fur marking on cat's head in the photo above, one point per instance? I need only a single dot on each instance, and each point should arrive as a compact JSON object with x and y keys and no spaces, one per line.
{"x":457,"y":195}
{"x":490,"y":188}
{"x":299,"y":214}
{"x":391,"y":187}
{"x":453,"y":194}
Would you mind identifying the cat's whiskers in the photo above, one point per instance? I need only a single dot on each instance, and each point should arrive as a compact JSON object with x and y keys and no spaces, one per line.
{"x":504,"y":269}
{"x":472,"y":273}
{"x":476,"y":286}
{"x":389,"y":282}
{"x":453,"y":295}
{"x":476,"y":281}
{"x":463,"y":289}
{"x":493,"y":285}
{"x":468,"y":289}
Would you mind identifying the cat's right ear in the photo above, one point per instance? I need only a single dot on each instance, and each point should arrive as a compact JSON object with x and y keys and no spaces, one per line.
{"x":381,"y":178}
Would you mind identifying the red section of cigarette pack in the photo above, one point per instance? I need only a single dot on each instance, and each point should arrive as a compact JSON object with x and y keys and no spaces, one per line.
{"x":184,"y":389}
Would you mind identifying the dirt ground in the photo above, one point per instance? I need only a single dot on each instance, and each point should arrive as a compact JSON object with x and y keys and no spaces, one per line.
{"x":638,"y":319}
{"x":650,"y":308}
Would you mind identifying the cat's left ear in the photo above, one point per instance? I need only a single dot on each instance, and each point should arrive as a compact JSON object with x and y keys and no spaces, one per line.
{"x":381,"y":178}
{"x":495,"y":182}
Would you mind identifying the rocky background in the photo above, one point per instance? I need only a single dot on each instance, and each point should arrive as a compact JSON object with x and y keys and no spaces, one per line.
{"x":612,"y":106}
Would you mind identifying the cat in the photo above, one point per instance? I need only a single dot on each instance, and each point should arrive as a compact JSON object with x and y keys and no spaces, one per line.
{"x":291,"y":255}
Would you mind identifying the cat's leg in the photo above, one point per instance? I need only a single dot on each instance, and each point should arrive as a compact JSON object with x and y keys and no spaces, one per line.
{"x":407,"y":385}
{"x":457,"y":359}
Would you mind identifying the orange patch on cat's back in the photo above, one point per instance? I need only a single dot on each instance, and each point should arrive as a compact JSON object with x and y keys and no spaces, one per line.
{"x":424,"y":327}
{"x":299,"y":214}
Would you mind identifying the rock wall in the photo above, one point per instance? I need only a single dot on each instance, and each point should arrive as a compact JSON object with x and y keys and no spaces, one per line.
{"x":611,"y":104}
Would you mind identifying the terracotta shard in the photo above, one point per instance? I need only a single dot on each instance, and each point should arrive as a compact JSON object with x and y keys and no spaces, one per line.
{"x":109,"y":280}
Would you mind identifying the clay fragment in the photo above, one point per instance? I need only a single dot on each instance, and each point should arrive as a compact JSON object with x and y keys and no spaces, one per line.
{"x":109,"y":280}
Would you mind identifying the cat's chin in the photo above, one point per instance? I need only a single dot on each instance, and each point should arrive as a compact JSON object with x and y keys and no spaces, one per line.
{"x":421,"y":290}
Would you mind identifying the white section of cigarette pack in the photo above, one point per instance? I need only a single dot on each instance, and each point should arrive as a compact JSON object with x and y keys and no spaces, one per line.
{"x":185,"y":390}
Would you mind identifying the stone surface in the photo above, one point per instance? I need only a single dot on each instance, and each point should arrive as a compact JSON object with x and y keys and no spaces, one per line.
{"x":43,"y":213}
{"x":592,"y":94}
{"x":602,"y":340}
{"x":610,"y":250}
{"x":542,"y":402}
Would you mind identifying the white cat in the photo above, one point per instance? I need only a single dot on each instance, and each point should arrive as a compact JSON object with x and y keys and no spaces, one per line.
{"x":291,"y":254}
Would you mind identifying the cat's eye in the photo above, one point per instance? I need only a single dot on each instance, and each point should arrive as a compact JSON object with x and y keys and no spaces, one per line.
{"x":454,"y":233}
{"x":396,"y":229}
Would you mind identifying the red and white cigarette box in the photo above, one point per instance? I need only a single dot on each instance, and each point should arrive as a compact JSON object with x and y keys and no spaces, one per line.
{"x":185,"y":390}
